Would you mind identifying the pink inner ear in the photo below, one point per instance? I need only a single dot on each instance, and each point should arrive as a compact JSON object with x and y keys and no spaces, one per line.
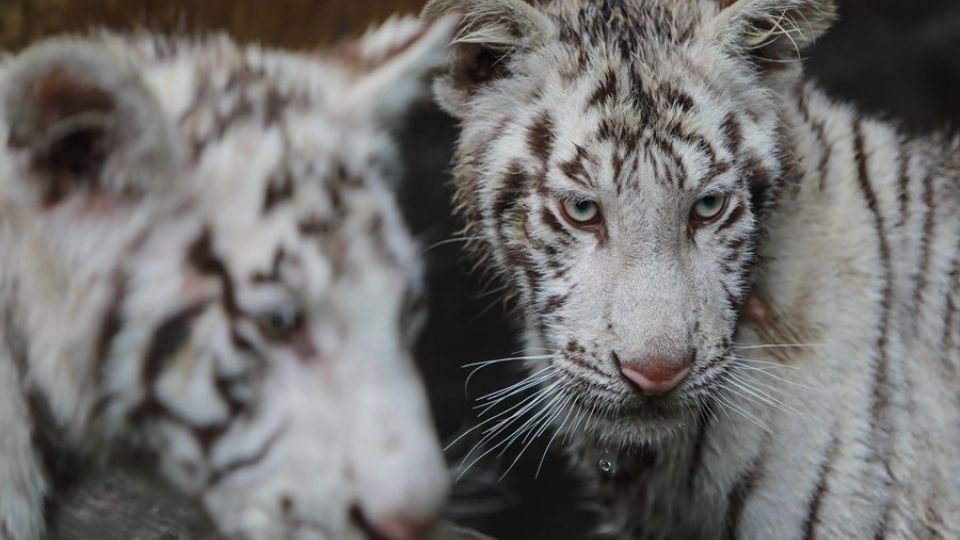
{"x":58,"y":95}
{"x":64,"y":153}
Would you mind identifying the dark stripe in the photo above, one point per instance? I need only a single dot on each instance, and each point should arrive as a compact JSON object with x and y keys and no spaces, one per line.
{"x":279,"y":190}
{"x":759,"y":182}
{"x":207,"y":437}
{"x":14,"y":342}
{"x":738,"y":497}
{"x":950,"y":316}
{"x":696,"y":456}
{"x":249,"y":462}
{"x":732,"y":136}
{"x":826,"y":149}
{"x":205,"y":261}
{"x":618,"y":171}
{"x":554,"y":303}
{"x":903,"y":186}
{"x":879,"y":414}
{"x":820,"y":491}
{"x":514,"y":185}
{"x":929,"y":222}
{"x":541,"y":137}
{"x":112,"y":321}
{"x":553,"y":223}
{"x":674,"y":97}
{"x":606,"y":91}
{"x":575,"y":170}
{"x":314,"y":226}
{"x":733,"y":218}
{"x":167,"y":340}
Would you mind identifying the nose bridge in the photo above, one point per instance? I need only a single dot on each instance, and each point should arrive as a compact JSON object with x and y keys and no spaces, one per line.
{"x":652,"y":302}
{"x":398,"y":470}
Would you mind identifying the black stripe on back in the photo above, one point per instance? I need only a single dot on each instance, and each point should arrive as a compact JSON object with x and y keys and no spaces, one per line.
{"x":880,"y":424}
{"x":699,"y":442}
{"x":950,"y":316}
{"x":739,"y":495}
{"x":820,"y":491}
{"x":929,"y":222}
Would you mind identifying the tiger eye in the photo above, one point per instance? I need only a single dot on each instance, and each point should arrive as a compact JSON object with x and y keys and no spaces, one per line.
{"x":584,"y":212}
{"x":709,"y":208}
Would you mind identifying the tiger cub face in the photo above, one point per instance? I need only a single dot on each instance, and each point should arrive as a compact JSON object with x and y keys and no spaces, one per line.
{"x":615,"y":161}
{"x":213,"y":228}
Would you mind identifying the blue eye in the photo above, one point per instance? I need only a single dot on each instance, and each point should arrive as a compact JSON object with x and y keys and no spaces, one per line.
{"x":279,"y":324}
{"x":709,"y":207}
{"x":582,"y":212}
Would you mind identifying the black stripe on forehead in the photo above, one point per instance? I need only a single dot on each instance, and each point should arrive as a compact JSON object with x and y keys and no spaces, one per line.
{"x":575,"y":169}
{"x":542,"y":136}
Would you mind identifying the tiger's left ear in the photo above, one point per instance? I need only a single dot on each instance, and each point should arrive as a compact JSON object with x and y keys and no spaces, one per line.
{"x":84,"y":122}
{"x":770,"y":31}
{"x":393,"y":64}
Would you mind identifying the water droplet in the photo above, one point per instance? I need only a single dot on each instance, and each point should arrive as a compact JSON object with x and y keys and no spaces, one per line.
{"x":606,"y":463}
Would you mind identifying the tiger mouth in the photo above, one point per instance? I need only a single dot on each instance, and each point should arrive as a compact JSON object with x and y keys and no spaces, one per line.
{"x":603,"y":403}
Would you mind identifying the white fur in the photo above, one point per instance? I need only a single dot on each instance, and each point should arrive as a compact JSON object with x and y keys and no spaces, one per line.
{"x":337,"y":420}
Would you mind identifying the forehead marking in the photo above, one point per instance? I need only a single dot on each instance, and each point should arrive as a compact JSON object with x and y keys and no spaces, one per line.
{"x":541,"y":137}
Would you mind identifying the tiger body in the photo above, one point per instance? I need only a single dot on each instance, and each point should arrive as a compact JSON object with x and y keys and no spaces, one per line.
{"x":812,"y":318}
{"x":860,"y":445}
{"x":203,"y":273}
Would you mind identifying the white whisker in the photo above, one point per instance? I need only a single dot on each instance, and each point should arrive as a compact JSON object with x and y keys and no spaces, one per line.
{"x":478,"y":366}
{"x":449,"y":241}
{"x":550,"y":442}
{"x":777,"y":346}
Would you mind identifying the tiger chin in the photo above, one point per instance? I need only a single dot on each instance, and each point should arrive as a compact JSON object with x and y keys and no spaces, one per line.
{"x":739,"y":296}
{"x":202,"y":266}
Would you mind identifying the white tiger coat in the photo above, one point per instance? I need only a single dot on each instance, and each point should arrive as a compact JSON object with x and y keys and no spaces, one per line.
{"x":665,"y":195}
{"x":203,"y":270}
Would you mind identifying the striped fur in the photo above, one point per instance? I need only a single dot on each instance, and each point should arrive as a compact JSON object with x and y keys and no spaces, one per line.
{"x":203,"y":273}
{"x":820,"y":307}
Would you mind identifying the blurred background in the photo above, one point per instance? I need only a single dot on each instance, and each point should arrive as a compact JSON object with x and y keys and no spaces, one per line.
{"x":895,"y":58}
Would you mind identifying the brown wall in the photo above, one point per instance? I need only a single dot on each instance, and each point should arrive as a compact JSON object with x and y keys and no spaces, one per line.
{"x":288,"y":23}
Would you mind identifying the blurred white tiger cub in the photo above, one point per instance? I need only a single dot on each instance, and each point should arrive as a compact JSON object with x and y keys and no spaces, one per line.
{"x":201,"y":264}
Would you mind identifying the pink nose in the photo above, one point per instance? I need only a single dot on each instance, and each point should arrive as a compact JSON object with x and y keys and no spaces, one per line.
{"x":656,"y":376}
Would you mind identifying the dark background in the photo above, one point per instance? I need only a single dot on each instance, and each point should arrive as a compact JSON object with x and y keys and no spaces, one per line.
{"x":895,"y":58}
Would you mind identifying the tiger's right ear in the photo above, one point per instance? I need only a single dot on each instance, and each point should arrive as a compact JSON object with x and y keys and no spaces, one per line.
{"x":79,"y":120}
{"x":491,"y":32}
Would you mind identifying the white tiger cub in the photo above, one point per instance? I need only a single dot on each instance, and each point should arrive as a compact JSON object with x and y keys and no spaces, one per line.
{"x":202,"y":266}
{"x":747,"y":292}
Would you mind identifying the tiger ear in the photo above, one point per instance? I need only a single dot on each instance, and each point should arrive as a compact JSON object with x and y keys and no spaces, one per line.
{"x":771,"y":31}
{"x":391,"y":65}
{"x":83,"y":121}
{"x":489,"y":34}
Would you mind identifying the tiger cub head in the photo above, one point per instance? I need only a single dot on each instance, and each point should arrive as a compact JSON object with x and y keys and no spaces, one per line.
{"x":213,"y":227}
{"x":616,"y":161}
